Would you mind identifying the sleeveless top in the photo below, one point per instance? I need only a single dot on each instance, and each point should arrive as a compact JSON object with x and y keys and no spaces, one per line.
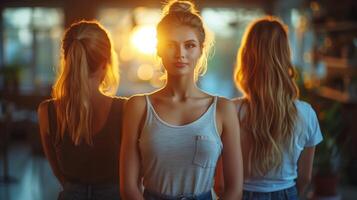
{"x":306,"y":134}
{"x":90,"y":164}
{"x":179,"y":160}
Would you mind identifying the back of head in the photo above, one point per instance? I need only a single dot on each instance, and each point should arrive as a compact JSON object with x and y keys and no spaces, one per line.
{"x":184,"y":13}
{"x":265,"y":75}
{"x":86,"y":48}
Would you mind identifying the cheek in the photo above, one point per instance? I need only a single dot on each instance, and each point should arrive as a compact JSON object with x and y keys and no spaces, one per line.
{"x":165,"y":59}
{"x":166,"y":54}
{"x":195,"y":55}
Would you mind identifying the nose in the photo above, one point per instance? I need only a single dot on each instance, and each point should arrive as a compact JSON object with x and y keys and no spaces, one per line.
{"x":180,"y":52}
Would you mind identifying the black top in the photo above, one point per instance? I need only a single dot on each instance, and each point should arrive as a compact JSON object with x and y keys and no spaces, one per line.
{"x":90,"y":164}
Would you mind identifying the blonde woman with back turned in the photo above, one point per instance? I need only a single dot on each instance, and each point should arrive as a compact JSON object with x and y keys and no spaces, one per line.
{"x":173,"y":137}
{"x":80,"y":126}
{"x":279,"y":132}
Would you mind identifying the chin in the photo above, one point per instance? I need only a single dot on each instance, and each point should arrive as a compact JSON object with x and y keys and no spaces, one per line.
{"x":179,"y":73}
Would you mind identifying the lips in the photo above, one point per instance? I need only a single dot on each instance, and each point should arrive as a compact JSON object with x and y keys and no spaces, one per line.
{"x":180,"y":64}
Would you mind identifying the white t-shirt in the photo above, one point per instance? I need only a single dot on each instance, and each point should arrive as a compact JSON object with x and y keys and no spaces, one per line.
{"x":307,"y":134}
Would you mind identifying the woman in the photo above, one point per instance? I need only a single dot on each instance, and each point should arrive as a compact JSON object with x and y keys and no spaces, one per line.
{"x":279,"y":132}
{"x":173,"y":137}
{"x":80,"y":126}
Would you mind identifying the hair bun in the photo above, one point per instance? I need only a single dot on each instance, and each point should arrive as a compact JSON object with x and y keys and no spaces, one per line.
{"x":182,"y":6}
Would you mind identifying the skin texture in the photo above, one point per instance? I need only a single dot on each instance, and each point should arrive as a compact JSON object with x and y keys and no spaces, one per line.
{"x":180,"y":102}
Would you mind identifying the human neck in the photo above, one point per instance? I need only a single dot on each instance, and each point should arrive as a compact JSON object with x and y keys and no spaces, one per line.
{"x":180,"y":87}
{"x":94,"y":85}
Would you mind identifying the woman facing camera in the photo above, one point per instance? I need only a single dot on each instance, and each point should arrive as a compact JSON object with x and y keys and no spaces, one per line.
{"x":173,"y":137}
{"x":279,"y":132}
{"x":80,"y":126}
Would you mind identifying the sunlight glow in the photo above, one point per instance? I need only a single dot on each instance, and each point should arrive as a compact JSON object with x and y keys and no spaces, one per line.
{"x":143,"y":39}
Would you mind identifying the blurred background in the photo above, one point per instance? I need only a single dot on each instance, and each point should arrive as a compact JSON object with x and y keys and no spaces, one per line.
{"x":323,"y":39}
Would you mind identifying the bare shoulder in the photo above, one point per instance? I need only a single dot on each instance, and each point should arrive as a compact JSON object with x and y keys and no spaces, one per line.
{"x":226,"y":111}
{"x":137,"y":99}
{"x":42,"y":113}
{"x":134,"y":115}
{"x":225,"y":105}
{"x":136,"y":103}
{"x":121,"y":99}
{"x":237,"y":101}
{"x":43,"y":108}
{"x":227,"y":116}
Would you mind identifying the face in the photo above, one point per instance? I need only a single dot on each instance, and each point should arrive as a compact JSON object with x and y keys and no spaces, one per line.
{"x":180,"y":51}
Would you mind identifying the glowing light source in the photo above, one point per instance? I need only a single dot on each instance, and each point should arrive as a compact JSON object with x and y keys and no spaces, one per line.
{"x":145,"y":72}
{"x":144,"y":39}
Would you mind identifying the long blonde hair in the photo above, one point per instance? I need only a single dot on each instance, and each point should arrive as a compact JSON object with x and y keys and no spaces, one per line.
{"x":181,"y":12}
{"x":265,"y":75}
{"x":86,"y":47}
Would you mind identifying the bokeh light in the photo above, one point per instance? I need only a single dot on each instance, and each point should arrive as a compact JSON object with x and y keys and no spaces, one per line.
{"x":145,"y":72}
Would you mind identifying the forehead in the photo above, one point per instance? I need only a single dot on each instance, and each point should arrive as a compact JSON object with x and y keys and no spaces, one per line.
{"x":181,"y":33}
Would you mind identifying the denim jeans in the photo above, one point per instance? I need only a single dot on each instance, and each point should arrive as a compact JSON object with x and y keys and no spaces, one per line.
{"x":72,"y":191}
{"x":286,"y":194}
{"x":153,"y":196}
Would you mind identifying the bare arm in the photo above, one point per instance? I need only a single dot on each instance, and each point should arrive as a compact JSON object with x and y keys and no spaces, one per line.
{"x":46,"y":141}
{"x":129,"y":154}
{"x":305,"y":163}
{"x":232,"y":163}
{"x":218,"y":179}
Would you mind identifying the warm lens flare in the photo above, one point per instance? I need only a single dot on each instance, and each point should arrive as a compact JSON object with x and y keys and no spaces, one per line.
{"x":143,"y":39}
{"x":145,"y":72}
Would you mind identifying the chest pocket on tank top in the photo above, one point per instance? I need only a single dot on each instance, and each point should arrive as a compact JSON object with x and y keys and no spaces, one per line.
{"x":206,"y":151}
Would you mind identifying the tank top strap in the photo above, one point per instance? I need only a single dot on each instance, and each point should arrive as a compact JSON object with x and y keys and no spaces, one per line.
{"x":213,"y":119}
{"x":149,"y":110}
{"x":213,"y":108}
{"x":210,"y":118}
{"x":149,"y":106}
{"x":215,"y":100}
{"x":147,"y":99}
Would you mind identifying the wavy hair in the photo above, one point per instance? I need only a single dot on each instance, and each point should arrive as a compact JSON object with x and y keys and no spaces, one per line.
{"x":180,"y":12}
{"x":265,"y":75}
{"x":86,"y":47}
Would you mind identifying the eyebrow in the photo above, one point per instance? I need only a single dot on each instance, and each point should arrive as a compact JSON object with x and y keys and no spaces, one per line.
{"x":191,"y":41}
{"x":187,"y":41}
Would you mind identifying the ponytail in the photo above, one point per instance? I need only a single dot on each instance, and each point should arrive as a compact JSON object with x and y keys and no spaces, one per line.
{"x":85,"y":48}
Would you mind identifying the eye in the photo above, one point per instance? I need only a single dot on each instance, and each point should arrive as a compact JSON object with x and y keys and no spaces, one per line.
{"x":190,"y":45}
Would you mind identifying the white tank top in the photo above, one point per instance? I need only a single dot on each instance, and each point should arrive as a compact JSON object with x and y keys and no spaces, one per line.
{"x":179,"y":160}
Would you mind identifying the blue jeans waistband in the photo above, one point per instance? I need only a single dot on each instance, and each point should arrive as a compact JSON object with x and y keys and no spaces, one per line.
{"x":285,"y":194}
{"x":148,"y":195}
